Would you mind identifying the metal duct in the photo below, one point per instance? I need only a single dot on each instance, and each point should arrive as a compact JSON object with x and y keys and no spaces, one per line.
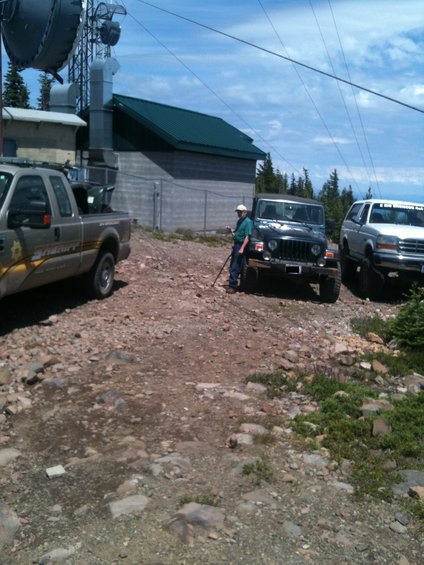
{"x":101,"y":112}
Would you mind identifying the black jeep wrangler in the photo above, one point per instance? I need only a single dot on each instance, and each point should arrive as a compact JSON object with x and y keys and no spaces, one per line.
{"x":289,"y":241}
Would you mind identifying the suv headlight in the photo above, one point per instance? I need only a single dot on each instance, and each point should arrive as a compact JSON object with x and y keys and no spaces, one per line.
{"x":387,"y":243}
{"x":272,"y":244}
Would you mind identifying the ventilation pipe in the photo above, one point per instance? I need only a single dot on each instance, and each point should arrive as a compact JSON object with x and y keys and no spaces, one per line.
{"x":101,"y":113}
{"x":63,"y":98}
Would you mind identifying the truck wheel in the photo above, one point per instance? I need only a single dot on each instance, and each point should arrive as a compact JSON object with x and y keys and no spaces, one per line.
{"x":99,"y":280}
{"x":347,"y":265}
{"x":329,"y":287}
{"x":249,"y":278}
{"x":371,"y":281}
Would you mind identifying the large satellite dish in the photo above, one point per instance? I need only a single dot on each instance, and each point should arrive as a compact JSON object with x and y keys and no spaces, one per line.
{"x":41,"y":34}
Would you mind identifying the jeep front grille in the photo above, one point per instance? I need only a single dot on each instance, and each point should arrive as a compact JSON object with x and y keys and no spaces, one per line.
{"x":294,"y":250}
{"x":411,"y":246}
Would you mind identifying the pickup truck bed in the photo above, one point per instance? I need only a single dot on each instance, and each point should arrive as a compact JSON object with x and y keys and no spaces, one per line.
{"x":44,"y":237}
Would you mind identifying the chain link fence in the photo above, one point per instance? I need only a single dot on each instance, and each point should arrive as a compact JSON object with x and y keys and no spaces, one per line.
{"x":164,"y":204}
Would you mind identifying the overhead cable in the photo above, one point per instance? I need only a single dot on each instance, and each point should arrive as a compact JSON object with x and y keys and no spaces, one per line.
{"x":270,"y":52}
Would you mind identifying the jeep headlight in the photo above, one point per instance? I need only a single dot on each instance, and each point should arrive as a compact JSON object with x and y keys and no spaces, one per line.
{"x":316,"y":249}
{"x":272,"y":245}
{"x":387,"y":243}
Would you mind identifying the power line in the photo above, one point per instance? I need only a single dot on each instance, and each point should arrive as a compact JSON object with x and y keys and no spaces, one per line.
{"x":213,"y":92}
{"x":340,"y":91}
{"x":356,"y":102}
{"x":270,"y":52}
{"x":309,"y":95}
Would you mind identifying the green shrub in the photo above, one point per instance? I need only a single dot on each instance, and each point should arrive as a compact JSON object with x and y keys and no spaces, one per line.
{"x":373,"y":324}
{"x":408,"y":326}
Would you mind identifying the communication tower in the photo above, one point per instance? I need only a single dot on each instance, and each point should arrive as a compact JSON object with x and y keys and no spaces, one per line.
{"x":99,"y":33}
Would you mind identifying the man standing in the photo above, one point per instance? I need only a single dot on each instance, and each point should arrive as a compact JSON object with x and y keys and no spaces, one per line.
{"x":241,"y":237}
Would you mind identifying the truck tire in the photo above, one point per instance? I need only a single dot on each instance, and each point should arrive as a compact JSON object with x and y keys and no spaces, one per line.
{"x":347,"y":265}
{"x":99,"y":280}
{"x":371,"y":281}
{"x":249,"y":278}
{"x":329,"y":287}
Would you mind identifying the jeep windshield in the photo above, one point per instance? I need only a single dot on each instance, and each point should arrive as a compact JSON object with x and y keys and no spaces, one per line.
{"x":403,"y":214}
{"x":298,"y":212}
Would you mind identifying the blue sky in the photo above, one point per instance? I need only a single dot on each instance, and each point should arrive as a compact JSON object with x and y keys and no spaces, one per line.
{"x":302,"y":118}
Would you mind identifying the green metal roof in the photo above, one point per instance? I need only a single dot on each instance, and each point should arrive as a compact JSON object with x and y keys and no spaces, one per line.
{"x":186,"y":130}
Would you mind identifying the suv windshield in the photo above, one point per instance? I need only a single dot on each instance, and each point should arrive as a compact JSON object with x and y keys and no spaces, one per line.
{"x":282,"y":211}
{"x":5,"y":180}
{"x":406,"y":214}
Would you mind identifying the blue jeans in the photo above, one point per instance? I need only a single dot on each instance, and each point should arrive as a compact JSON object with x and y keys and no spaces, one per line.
{"x":236,"y":265}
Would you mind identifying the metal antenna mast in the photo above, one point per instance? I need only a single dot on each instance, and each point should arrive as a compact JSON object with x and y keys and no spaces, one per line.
{"x":99,"y":34}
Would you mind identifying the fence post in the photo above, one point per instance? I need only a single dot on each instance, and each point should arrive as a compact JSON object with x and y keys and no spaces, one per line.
{"x":205,"y":212}
{"x":156,"y":206}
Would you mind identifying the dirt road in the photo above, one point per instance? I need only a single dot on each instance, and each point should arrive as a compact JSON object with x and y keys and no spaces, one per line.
{"x":137,"y":402}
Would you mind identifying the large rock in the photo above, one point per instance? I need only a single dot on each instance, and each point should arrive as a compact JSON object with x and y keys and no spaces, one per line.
{"x":195,"y":519}
{"x":9,"y":524}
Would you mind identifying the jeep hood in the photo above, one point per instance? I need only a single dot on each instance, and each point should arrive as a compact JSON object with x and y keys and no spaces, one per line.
{"x":275,"y":230}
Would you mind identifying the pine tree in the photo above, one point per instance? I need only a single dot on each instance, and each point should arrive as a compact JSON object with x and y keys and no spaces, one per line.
{"x":46,"y":82}
{"x":293,"y":185}
{"x":330,"y":197}
{"x":281,"y":182}
{"x":308,"y":188}
{"x":368,"y":195}
{"x":15,"y":93}
{"x":265,"y":176}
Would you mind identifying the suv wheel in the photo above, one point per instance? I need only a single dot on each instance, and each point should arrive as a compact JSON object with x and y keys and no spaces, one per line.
{"x":348,"y":266}
{"x":371,"y":281}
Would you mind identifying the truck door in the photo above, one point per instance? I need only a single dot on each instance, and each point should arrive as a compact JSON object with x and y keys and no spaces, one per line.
{"x":26,"y":267}
{"x":67,"y":229}
{"x":36,"y":258}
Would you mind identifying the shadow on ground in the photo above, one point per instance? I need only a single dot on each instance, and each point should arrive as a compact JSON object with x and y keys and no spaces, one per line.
{"x":33,"y":306}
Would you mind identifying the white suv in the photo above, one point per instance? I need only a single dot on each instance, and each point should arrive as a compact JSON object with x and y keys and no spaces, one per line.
{"x":385,"y":238}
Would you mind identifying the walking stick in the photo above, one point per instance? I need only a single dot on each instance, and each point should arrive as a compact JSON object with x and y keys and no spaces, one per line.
{"x":222,"y":268}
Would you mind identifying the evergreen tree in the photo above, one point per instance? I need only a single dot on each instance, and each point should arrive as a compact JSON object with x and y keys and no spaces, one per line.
{"x":265,"y":176}
{"x":368,"y":195}
{"x":293,"y":185}
{"x":347,"y":199}
{"x":330,"y":197}
{"x":308,"y":188}
{"x":15,"y":93}
{"x":281,"y":182}
{"x":46,"y":82}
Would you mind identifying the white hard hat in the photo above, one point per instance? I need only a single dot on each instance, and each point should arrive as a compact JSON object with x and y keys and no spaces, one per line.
{"x":241,"y":208}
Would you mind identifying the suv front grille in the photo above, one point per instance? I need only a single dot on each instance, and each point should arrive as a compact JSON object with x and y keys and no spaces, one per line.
{"x":411,"y":246}
{"x":294,"y":250}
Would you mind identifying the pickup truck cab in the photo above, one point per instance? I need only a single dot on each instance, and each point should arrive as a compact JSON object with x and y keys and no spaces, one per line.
{"x":45,"y":236}
{"x":289,"y":241}
{"x":385,"y":238}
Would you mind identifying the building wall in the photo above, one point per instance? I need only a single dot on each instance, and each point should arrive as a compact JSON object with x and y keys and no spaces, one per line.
{"x":167,"y":191}
{"x":42,"y":141}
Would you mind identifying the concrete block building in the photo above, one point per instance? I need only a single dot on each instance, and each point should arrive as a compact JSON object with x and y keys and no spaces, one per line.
{"x":175,"y":168}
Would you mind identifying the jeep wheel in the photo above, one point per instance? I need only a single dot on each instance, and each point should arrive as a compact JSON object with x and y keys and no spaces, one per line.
{"x":347,"y":265}
{"x":99,"y":280}
{"x":329,"y":287}
{"x":249,"y":278}
{"x":371,"y":281}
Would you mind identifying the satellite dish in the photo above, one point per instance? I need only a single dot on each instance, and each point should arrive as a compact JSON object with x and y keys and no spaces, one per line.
{"x":42,"y":34}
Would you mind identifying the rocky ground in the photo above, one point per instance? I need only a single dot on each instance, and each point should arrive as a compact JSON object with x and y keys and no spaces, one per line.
{"x":116,"y":415}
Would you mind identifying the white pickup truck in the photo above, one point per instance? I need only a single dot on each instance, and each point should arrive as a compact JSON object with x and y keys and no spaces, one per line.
{"x":385,"y":238}
{"x":50,"y":230}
